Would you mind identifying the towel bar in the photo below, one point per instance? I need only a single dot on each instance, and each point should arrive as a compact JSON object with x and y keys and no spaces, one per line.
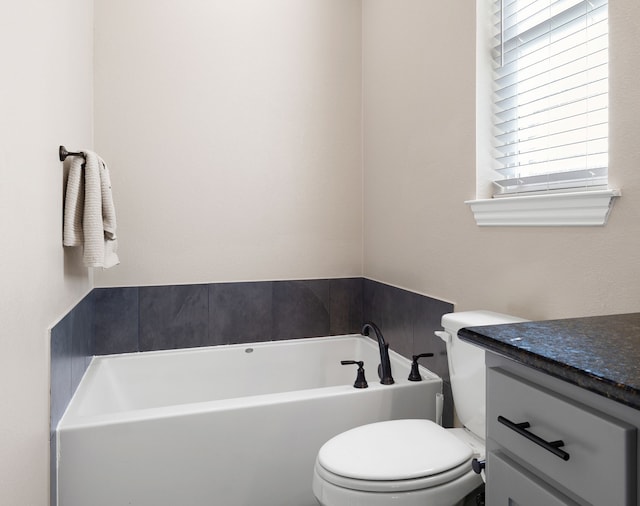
{"x":63,"y":153}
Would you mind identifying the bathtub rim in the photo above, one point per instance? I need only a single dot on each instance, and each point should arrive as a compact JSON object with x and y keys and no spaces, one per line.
{"x":72,"y":420}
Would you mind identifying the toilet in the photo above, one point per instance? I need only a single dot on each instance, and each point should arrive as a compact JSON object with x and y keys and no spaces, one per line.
{"x":415,"y":462}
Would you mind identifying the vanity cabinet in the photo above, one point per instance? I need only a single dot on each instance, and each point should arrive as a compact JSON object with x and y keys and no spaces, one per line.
{"x":552,"y":443}
{"x":512,"y":484}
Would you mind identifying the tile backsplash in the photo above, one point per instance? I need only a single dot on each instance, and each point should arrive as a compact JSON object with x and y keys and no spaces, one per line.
{"x":183,"y":316}
{"x":70,"y":356}
{"x":408,"y":321}
{"x":132,"y":319}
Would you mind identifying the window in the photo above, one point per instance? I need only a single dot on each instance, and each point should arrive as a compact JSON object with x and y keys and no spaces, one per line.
{"x":550,"y":100}
{"x":550,"y":95}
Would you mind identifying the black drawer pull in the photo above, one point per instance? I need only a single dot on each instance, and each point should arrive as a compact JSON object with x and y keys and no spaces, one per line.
{"x":520,"y":428}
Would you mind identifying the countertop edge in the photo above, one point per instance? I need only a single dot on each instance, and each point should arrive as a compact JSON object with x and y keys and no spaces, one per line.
{"x":602,"y":386}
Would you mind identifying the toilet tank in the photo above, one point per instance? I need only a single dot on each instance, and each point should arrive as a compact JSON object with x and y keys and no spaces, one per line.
{"x":466,"y":365}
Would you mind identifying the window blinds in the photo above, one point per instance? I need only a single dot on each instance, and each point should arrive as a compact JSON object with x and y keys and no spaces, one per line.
{"x":550,"y":95}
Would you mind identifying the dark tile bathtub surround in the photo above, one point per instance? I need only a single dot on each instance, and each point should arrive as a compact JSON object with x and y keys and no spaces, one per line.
{"x":116,"y":320}
{"x":183,"y":316}
{"x":122,"y":320}
{"x":316,"y":308}
{"x":131,"y":319}
{"x":408,"y":321}
{"x":301,"y":306}
{"x":70,"y":353}
{"x":173,"y":317}
{"x":177,"y":316}
{"x":70,"y":357}
{"x":240,"y":312}
{"x":346,"y":305}
{"x":263,"y":311}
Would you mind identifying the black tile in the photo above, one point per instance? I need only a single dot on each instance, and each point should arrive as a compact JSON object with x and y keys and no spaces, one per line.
{"x":301,"y":308}
{"x":61,"y":357}
{"x":447,"y":411}
{"x":82,"y":328}
{"x":116,"y":321}
{"x":70,"y":354}
{"x":370,"y":299}
{"x":240,"y":312}
{"x":345,"y":311}
{"x":429,"y":313}
{"x":408,"y":321}
{"x":173,"y":317}
{"x":393,"y":311}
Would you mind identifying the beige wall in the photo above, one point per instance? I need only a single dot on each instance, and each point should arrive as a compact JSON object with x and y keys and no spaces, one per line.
{"x":419,"y":159}
{"x":233,"y":134}
{"x":45,"y":100}
{"x":233,"y":130}
{"x":237,"y":133}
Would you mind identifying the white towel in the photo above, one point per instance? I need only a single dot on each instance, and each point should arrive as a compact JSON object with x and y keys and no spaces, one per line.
{"x":89,"y":214}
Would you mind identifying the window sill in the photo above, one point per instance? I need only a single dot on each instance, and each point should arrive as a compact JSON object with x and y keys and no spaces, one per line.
{"x":578,"y":209}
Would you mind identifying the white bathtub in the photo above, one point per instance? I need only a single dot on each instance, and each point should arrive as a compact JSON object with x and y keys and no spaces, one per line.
{"x":232,"y":425}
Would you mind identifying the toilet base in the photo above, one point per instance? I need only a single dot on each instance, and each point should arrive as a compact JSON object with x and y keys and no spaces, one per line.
{"x":448,"y":494}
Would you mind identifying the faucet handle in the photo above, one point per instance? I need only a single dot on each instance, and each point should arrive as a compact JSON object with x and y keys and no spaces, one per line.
{"x":415,"y":374}
{"x":361,"y":381}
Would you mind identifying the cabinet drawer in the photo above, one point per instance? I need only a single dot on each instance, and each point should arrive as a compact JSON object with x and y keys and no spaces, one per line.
{"x":511,"y":484}
{"x":600,"y":450}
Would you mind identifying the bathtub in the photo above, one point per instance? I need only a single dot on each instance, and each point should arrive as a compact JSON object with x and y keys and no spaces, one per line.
{"x":235,"y":425}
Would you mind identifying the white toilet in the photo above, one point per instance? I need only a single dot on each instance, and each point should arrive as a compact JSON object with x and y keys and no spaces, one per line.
{"x":415,"y":462}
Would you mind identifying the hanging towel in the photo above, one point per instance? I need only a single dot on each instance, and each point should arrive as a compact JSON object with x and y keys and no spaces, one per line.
{"x":89,"y":214}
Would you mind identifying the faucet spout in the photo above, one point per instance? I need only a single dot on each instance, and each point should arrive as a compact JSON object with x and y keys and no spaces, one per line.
{"x":384,"y":371}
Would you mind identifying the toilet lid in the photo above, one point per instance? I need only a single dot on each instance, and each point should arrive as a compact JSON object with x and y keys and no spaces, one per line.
{"x":393,"y":450}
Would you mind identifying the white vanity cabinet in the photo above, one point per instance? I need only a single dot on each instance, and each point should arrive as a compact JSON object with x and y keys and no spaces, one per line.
{"x":550,"y":442}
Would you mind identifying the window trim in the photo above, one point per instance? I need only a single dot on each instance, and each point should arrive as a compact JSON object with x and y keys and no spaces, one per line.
{"x":585,"y":209}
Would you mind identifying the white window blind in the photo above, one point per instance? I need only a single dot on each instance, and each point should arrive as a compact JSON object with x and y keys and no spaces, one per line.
{"x":550,"y":95}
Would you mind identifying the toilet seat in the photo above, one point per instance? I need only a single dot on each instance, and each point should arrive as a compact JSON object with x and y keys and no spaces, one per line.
{"x":398,"y":455}
{"x":394,"y":485}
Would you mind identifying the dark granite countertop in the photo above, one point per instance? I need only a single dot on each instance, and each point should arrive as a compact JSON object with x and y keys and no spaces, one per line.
{"x":600,"y":353}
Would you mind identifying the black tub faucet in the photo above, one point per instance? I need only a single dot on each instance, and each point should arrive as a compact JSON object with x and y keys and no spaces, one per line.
{"x":385,"y":364}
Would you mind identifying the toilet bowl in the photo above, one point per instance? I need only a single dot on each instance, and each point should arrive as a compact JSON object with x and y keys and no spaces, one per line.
{"x":403,"y":462}
{"x":415,"y":462}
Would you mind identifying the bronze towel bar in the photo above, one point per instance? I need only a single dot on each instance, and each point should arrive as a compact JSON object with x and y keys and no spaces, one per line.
{"x":63,"y":153}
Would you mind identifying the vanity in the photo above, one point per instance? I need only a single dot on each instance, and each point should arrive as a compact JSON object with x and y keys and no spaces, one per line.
{"x":563,"y":411}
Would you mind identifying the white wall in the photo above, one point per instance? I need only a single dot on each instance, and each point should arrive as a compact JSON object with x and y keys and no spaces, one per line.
{"x":233,"y":134}
{"x":45,"y":100}
{"x":419,"y":159}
